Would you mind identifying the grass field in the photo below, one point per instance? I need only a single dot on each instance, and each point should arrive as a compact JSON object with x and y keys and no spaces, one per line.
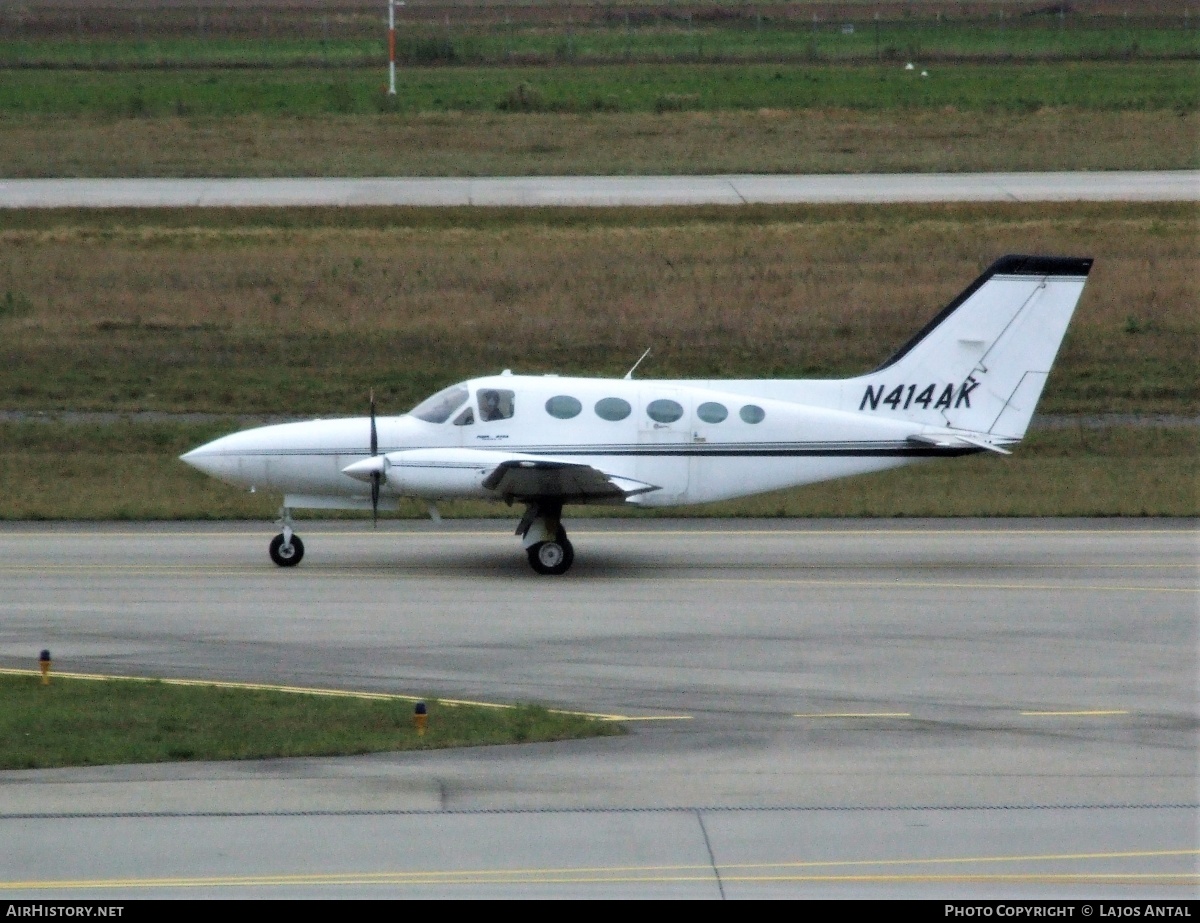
{"x":1116,"y":94}
{"x":499,"y":144}
{"x":1088,"y":85}
{"x":75,"y":722}
{"x":304,"y":311}
{"x":256,"y":35}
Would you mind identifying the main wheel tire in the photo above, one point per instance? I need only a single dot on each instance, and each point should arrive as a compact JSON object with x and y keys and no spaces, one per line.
{"x":567,"y":547}
{"x":286,"y":555}
{"x":552,"y":558}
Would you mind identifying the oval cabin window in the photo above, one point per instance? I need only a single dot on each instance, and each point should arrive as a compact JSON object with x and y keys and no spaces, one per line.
{"x":712,"y":412}
{"x":613,"y":408}
{"x":563,"y":406}
{"x":664,"y":411}
{"x":752,"y":413}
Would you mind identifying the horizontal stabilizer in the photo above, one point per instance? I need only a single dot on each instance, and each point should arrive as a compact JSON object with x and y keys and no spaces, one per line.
{"x":958,"y":441}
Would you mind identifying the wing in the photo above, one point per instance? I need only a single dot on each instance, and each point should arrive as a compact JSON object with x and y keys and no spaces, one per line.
{"x":527,"y":477}
{"x":453,"y":472}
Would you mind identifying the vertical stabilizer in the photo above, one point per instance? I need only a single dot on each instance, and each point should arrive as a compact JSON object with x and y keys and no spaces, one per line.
{"x":980,"y":365}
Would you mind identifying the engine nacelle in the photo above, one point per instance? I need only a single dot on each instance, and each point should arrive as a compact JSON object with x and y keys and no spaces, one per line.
{"x":430,"y":474}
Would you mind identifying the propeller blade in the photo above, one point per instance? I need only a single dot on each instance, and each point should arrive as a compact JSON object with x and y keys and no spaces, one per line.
{"x":374,"y":431}
{"x":375,"y":475}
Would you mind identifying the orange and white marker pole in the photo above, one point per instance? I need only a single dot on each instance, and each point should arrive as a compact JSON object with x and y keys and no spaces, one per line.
{"x":391,"y":47}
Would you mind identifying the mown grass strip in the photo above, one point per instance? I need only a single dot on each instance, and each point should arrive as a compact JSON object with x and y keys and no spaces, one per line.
{"x":835,"y":140}
{"x":1101,"y":86}
{"x":450,"y":34}
{"x":307,"y":690}
{"x":85,"y":722}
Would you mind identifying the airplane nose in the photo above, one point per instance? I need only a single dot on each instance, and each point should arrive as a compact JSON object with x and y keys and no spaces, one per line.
{"x":202,"y":460}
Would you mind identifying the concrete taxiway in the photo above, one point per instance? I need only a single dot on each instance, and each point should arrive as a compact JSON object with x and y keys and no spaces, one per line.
{"x":923,"y":709}
{"x":523,"y":191}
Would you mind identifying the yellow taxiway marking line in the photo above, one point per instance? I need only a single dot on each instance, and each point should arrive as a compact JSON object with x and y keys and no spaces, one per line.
{"x":856,"y":714}
{"x":259,"y":567}
{"x":337,"y":693}
{"x":425,"y":533}
{"x":1088,"y":713}
{"x":1179,"y":879}
{"x":959,"y":860}
{"x":392,"y":572}
{"x":624,"y":718}
{"x":942,"y":585}
{"x":660,"y":873}
{"x":400,"y":697}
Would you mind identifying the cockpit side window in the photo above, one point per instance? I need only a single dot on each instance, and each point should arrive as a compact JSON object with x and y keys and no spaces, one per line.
{"x":438,"y":408}
{"x":495,"y":404}
{"x":466,"y":418}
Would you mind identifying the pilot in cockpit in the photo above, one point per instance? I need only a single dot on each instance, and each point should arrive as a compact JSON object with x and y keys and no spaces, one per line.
{"x":493,"y":406}
{"x":489,"y":406}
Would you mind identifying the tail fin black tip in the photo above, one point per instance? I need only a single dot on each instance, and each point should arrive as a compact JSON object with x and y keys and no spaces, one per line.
{"x":1011,"y":265}
{"x":1017,"y":265}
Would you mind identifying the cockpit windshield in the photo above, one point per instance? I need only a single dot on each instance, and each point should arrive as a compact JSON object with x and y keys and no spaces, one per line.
{"x":437,"y":409}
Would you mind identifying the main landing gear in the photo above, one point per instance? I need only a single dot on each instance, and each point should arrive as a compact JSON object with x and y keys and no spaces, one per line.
{"x":550,"y":551}
{"x":286,"y":549}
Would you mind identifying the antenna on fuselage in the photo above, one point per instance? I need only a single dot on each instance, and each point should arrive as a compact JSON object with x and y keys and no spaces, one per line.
{"x":629,"y":374}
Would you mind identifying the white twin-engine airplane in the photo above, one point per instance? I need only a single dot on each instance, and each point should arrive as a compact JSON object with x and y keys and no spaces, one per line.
{"x":968,"y":382}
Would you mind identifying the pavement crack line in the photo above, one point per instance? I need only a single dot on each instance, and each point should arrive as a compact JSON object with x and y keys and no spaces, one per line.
{"x":711,"y":858}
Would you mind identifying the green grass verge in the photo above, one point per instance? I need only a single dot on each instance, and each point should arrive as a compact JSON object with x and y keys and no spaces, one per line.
{"x":75,"y":722}
{"x":672,"y":33}
{"x":54,"y":471}
{"x":1126,"y":85}
{"x":489,"y":143}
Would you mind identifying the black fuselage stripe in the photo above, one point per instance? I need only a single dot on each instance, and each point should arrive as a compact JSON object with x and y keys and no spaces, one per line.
{"x":663,"y":452}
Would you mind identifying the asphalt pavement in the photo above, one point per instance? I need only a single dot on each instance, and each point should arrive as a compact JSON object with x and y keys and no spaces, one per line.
{"x":854,"y":708}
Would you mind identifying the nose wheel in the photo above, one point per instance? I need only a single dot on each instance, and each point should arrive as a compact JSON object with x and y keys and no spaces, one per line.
{"x":286,"y":549}
{"x":286,"y":553}
{"x":553,"y":557}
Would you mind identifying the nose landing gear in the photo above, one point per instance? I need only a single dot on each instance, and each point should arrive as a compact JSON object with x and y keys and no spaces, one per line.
{"x":286,"y":549}
{"x":286,"y":553}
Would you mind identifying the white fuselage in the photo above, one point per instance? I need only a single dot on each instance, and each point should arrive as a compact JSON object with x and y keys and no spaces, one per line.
{"x":694,"y":443}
